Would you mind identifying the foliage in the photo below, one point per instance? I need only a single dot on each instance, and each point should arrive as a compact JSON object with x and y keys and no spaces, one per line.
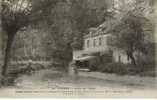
{"x":116,"y":68}
{"x":14,"y":16}
{"x":31,"y":43}
{"x":84,"y":17}
{"x":67,"y":22}
{"x":141,"y":69}
{"x":41,"y":11}
{"x":63,"y":24}
{"x":129,"y":34}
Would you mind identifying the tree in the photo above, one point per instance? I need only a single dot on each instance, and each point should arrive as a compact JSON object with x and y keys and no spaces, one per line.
{"x":67,"y":22}
{"x":61,"y":35}
{"x":129,"y":34}
{"x":85,"y":16}
{"x":42,"y":12}
{"x":134,"y":26}
{"x":15,"y":15}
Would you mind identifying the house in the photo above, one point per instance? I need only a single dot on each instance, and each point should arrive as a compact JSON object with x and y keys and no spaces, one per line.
{"x":96,"y":45}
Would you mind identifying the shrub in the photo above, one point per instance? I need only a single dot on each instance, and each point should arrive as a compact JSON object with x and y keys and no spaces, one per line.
{"x":7,"y":81}
{"x":117,"y":68}
{"x":148,"y":73}
{"x":94,"y":63}
{"x":142,"y":69}
{"x":146,"y":69}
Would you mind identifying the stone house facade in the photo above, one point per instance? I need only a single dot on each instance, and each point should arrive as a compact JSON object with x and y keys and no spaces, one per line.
{"x":96,"y":44}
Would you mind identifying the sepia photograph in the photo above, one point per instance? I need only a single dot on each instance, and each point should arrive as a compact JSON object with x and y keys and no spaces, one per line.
{"x":78,"y":48}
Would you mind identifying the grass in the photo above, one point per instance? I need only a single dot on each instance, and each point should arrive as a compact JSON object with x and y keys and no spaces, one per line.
{"x":128,"y":69}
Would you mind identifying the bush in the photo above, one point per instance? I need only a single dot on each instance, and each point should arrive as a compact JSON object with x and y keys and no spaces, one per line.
{"x":142,"y":69}
{"x":7,"y":81}
{"x":117,"y":68}
{"x":94,"y":63}
{"x":148,"y":73}
{"x":146,"y":69}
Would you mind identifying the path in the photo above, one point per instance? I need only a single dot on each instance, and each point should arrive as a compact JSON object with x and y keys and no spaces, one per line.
{"x":51,"y":79}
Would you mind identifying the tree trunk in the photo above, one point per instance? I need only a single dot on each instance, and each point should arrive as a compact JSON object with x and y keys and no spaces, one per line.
{"x":133,"y":61}
{"x":7,"y":54}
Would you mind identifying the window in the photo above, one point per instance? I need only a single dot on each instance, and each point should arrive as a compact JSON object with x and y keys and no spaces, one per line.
{"x":88,"y":43}
{"x":100,"y":41}
{"x":94,"y":42}
{"x":119,"y":58}
{"x":128,"y":58}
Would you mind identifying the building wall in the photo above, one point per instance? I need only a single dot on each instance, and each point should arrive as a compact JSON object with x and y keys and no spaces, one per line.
{"x":120,"y":56}
{"x":77,"y":54}
{"x":91,"y":47}
{"x":96,"y":43}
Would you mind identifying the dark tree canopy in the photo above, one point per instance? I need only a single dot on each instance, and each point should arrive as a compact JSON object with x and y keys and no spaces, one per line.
{"x":129,"y":34}
{"x":15,"y":15}
{"x":42,"y":11}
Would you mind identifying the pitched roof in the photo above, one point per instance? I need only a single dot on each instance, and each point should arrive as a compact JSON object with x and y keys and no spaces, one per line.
{"x":103,"y":28}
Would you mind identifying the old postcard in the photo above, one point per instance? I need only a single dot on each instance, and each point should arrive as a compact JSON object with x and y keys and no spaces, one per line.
{"x":78,"y":48}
